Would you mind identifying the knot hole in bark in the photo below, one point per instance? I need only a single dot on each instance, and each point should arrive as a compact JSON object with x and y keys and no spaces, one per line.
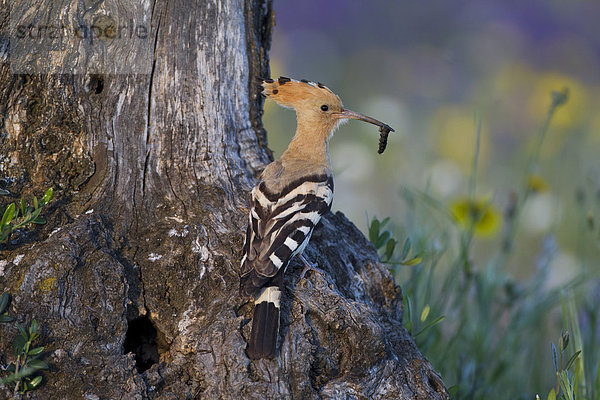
{"x":94,"y":83}
{"x":142,"y":339}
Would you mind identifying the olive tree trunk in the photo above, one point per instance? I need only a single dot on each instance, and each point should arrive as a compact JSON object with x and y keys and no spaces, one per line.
{"x":145,"y":119}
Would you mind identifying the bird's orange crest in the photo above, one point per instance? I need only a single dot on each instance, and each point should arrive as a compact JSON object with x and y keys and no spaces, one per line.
{"x":293,"y":94}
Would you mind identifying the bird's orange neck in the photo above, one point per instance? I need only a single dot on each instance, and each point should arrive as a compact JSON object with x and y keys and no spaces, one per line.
{"x":311,"y":143}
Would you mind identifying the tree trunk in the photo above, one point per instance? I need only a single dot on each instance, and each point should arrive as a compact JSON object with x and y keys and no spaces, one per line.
{"x":151,"y":144}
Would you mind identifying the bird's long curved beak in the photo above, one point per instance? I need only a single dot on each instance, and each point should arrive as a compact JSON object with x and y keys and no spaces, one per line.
{"x":349,"y":114}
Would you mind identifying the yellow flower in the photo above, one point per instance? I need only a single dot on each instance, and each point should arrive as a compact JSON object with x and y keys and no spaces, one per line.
{"x":572,"y":113}
{"x":537,"y":184}
{"x":478,"y":214}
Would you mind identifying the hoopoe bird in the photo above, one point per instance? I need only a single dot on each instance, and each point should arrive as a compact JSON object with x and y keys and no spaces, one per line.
{"x":291,"y":196}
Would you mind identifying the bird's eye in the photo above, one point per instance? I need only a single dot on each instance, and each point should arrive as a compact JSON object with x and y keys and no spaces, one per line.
{"x":324,"y":107}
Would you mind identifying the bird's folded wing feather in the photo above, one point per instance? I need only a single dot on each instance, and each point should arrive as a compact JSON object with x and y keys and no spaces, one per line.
{"x":280,"y":224}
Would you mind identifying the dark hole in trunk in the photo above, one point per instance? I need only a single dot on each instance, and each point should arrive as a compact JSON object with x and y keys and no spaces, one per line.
{"x":141,"y":340}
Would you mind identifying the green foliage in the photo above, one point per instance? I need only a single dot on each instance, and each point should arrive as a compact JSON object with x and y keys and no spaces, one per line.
{"x":565,"y":379}
{"x":483,"y":327}
{"x":575,"y":379}
{"x":4,"y":317}
{"x":384,"y":241}
{"x":30,"y":214}
{"x":568,"y":375}
{"x":23,"y":372}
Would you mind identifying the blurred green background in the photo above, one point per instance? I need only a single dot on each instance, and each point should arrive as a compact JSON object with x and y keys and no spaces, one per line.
{"x":434,"y":70}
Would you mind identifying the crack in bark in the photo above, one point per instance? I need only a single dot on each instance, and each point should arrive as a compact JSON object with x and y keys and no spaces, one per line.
{"x":206,"y":156}
{"x":258,"y":63}
{"x":142,"y":289}
{"x":149,"y":110}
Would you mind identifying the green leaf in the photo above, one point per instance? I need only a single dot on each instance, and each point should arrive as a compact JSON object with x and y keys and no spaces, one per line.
{"x":452,"y":391}
{"x":563,"y":342}
{"x":572,"y":359}
{"x":19,"y":345}
{"x":23,"y":207}
{"x":37,"y":364}
{"x":47,"y":196}
{"x":413,"y":262}
{"x":8,"y":215}
{"x":4,"y":232}
{"x":389,"y":248}
{"x":23,"y":373}
{"x":576,"y":384}
{"x":425,"y":313}
{"x":551,"y":395}
{"x":39,"y":221}
{"x":36,"y":351}
{"x":36,"y":381}
{"x":554,"y":357}
{"x":24,"y":387}
{"x":374,"y":230}
{"x":22,"y":331}
{"x":35,"y":203}
{"x":33,"y":328}
{"x":6,"y":318}
{"x":566,"y":385}
{"x":4,"y":302}
{"x":385,"y":221}
{"x":382,"y":239}
{"x":35,"y":214}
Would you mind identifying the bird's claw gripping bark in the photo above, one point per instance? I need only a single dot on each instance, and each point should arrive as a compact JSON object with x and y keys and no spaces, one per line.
{"x":308,"y":266}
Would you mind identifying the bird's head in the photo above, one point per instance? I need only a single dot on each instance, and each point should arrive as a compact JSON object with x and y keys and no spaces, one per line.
{"x":317,"y":107}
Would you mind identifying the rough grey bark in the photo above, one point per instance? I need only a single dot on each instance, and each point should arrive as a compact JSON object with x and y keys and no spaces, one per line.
{"x":151,"y":172}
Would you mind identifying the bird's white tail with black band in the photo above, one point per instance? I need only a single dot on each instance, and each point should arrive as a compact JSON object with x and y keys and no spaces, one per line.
{"x":265,"y":324}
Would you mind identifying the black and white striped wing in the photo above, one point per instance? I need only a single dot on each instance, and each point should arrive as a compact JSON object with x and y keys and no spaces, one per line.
{"x":280,"y":226}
